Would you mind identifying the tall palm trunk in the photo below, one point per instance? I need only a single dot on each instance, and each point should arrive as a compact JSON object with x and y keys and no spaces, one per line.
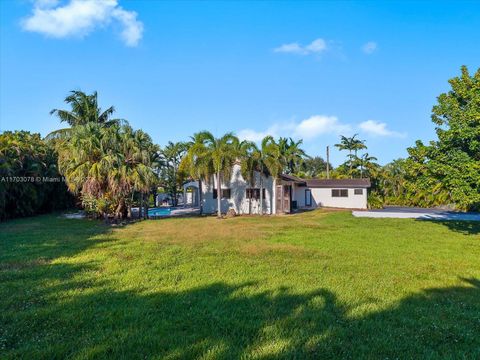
{"x":273,"y":200}
{"x":250,"y":200}
{"x":200,"y":196}
{"x":261,"y":192}
{"x":219,"y":196}
{"x":351,"y":164}
{"x":174,"y":202}
{"x":147,"y":195}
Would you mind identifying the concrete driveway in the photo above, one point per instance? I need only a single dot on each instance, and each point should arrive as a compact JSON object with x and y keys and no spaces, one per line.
{"x":417,"y":213}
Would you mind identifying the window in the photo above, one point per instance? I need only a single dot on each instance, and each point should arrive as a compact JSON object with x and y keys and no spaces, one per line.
{"x":339,"y":192}
{"x":225,"y":193}
{"x":308,"y":197}
{"x":358,"y":191}
{"x":255,"y":193}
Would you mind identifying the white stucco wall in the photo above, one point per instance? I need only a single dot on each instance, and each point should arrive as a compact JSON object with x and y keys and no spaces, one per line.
{"x":323,"y":197}
{"x":238,"y":197}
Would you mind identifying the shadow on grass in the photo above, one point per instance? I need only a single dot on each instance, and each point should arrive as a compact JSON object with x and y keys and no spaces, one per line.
{"x":462,"y":226}
{"x":46,"y":237}
{"x":52,"y":310}
{"x":228,"y":321}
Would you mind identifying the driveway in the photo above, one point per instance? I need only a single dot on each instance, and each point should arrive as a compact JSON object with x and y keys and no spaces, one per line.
{"x":417,"y":213}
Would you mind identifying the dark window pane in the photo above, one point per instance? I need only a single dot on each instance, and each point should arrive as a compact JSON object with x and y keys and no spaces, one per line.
{"x":339,"y":192}
{"x":308,"y":197}
{"x":358,"y":191}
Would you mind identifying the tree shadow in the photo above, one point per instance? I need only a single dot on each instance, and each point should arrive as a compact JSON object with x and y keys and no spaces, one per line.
{"x":460,"y":226}
{"x":47,"y":237}
{"x":220,"y":320}
{"x":53,"y":309}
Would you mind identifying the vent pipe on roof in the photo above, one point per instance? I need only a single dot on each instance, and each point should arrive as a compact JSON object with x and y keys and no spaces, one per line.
{"x":328,"y":162}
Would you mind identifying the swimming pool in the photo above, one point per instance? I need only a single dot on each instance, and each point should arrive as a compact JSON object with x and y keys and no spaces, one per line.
{"x":159,"y":212}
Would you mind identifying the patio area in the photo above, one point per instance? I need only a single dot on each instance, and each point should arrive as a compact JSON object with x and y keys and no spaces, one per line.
{"x":417,"y":213}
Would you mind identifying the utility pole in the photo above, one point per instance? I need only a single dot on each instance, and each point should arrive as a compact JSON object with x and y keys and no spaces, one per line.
{"x":328,"y":162}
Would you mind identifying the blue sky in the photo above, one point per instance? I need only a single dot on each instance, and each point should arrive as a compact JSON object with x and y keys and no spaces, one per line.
{"x":310,"y":70}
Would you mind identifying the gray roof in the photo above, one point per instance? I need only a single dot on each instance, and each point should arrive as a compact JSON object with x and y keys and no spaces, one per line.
{"x":288,"y":177}
{"x":328,"y":183}
{"x":338,"y":183}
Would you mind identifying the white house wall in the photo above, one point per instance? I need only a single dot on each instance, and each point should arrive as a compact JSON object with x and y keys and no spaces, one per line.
{"x":238,"y":198}
{"x":323,"y":197}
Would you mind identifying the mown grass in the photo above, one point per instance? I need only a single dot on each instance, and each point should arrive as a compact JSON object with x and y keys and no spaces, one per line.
{"x":321,"y":284}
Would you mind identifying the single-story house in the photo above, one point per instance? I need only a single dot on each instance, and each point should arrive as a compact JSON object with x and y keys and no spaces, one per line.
{"x":282,"y":195}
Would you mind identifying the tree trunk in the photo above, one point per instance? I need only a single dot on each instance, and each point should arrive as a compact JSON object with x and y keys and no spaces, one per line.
{"x":174,"y":202}
{"x":200,"y":196}
{"x":219,"y":196}
{"x":273,"y":195}
{"x":250,"y":200}
{"x":145,"y":212}
{"x":119,"y":211}
{"x":261,"y":192}
{"x":351,"y":164}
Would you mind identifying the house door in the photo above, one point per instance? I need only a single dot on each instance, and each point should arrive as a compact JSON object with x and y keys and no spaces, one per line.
{"x":287,"y":198}
{"x":283,"y":198}
{"x":278,"y":199}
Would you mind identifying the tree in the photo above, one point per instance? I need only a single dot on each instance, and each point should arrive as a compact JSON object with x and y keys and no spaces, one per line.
{"x":291,"y":154}
{"x":352,"y":144}
{"x":209,"y":156}
{"x":450,"y":166}
{"x":250,"y":165}
{"x":270,"y":163}
{"x":105,"y":165}
{"x":367,"y":162}
{"x":84,"y":110}
{"x":29,"y":179}
{"x":170,"y":158}
{"x":315,"y":166}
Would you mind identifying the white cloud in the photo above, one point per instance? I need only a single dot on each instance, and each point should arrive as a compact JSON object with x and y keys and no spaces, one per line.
{"x":306,"y":129}
{"x":377,"y":128}
{"x":318,"y":125}
{"x":369,"y":47}
{"x":275,"y":130}
{"x":315,"y":47}
{"x":293,"y":48}
{"x":81,"y":17}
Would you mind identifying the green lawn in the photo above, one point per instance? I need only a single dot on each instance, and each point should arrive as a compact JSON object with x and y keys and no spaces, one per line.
{"x":319,"y":284}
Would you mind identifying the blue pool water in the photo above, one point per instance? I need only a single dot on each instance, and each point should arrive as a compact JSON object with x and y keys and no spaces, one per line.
{"x":159,"y":212}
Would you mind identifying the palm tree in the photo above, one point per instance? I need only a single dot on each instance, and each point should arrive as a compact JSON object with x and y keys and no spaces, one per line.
{"x":212,"y":156}
{"x":352,"y":145}
{"x":84,"y":110}
{"x":136,"y":152}
{"x":250,"y":164}
{"x":171,"y":156}
{"x":270,"y":162}
{"x":105,"y":165}
{"x":365,"y":162}
{"x":357,"y":144}
{"x":291,"y":154}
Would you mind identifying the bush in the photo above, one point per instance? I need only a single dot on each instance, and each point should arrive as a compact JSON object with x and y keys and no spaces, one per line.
{"x":375,"y":200}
